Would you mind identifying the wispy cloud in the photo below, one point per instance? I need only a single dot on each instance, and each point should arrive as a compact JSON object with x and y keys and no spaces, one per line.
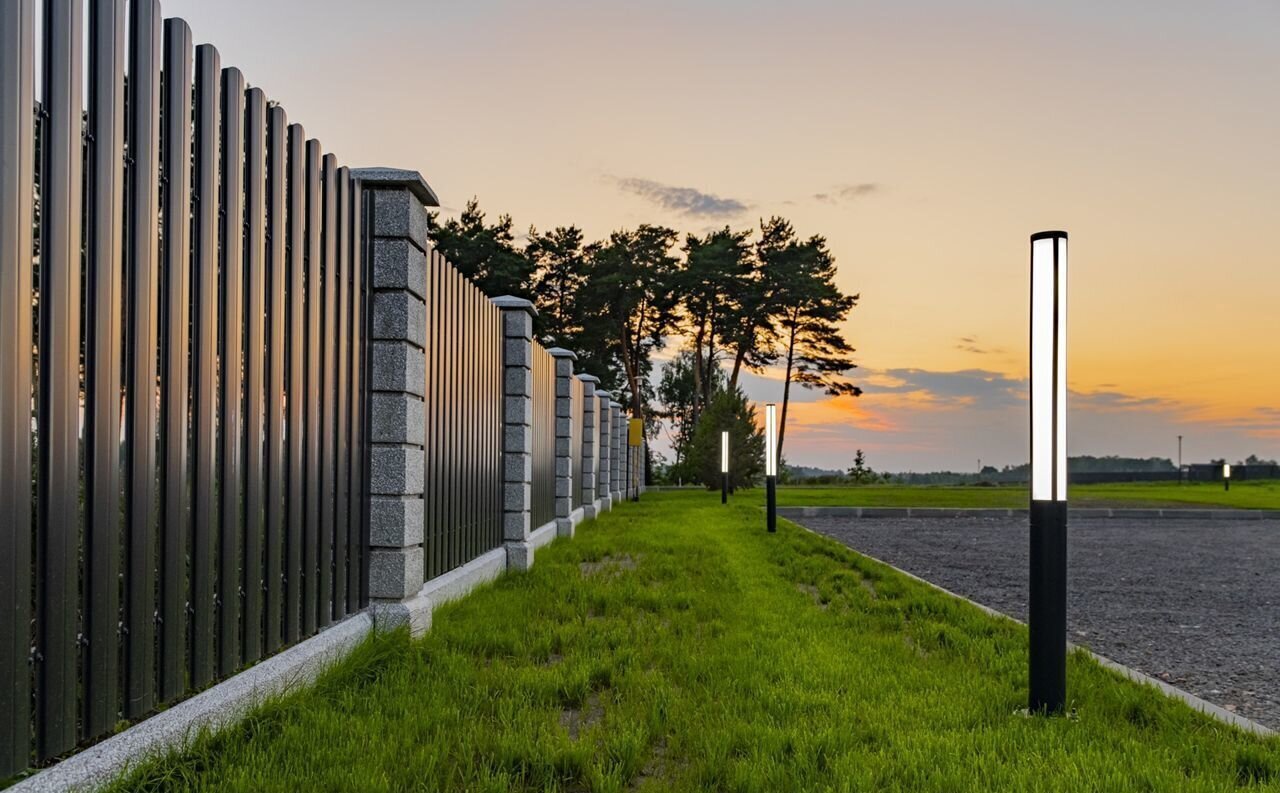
{"x":684,"y":200}
{"x":971,"y":344}
{"x":847,"y":192}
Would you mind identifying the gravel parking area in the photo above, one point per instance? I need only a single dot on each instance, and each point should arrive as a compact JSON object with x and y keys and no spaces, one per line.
{"x":1194,"y":603}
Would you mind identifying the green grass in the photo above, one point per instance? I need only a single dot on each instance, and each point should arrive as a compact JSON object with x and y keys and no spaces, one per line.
{"x":674,"y":645}
{"x":1243,"y":495}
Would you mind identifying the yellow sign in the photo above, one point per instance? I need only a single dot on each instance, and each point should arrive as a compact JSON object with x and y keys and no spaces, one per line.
{"x":635,"y":432}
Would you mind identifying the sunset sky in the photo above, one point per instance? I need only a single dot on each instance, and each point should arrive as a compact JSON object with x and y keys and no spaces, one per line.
{"x":925,"y":141}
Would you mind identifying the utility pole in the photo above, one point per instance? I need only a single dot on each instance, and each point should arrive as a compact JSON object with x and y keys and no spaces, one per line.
{"x":1179,"y":459}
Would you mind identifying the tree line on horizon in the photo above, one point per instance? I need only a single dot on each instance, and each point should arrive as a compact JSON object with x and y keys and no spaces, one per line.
{"x":741,"y":300}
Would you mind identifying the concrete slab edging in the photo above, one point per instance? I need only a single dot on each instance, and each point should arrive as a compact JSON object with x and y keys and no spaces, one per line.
{"x":1082,"y":512}
{"x":1196,"y":703}
{"x":211,"y":709}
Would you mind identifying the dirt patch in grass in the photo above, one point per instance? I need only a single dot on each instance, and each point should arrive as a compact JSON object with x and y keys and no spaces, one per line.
{"x":655,"y":769}
{"x":870,"y":586}
{"x":609,"y":566}
{"x":812,"y":591}
{"x":575,"y":720}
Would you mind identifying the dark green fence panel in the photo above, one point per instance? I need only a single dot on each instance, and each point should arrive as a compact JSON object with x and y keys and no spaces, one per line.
{"x":199,"y":419}
{"x":544,"y":437}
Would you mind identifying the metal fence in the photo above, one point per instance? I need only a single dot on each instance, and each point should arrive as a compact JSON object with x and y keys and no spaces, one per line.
{"x":182,"y":473}
{"x":577,"y":405}
{"x":463,"y":406}
{"x":544,"y":437}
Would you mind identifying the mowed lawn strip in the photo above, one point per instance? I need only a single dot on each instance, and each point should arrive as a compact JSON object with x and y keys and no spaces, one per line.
{"x":674,"y":645}
{"x":1243,"y":495}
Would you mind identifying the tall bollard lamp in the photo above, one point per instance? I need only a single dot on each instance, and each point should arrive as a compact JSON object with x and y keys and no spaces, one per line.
{"x":1047,"y":619}
{"x":724,"y":467}
{"x":771,"y":464}
{"x":1226,"y":476}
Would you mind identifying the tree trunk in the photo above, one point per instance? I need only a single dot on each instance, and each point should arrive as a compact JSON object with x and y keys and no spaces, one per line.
{"x":697,"y":370}
{"x":737,"y":366}
{"x":786,"y":387}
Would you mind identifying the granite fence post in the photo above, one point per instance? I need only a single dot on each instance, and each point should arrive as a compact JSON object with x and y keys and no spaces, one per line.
{"x":604,"y":483}
{"x":590,"y":505}
{"x":396,"y":232}
{"x":617,"y":449}
{"x":517,"y":429}
{"x":566,"y":434}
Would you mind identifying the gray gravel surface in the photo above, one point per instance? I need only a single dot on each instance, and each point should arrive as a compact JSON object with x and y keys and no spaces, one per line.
{"x":1196,"y":604}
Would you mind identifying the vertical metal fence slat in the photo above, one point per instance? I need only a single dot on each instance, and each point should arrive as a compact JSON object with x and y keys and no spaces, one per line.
{"x":17,"y":178}
{"x":455,"y":432}
{"x":365,"y":269}
{"x":355,"y":388}
{"x":104,"y":248}
{"x":429,"y":413}
{"x":277,"y":267}
{"x":142,"y":241}
{"x":355,"y":520}
{"x":204,"y":375}
{"x":230,"y":425}
{"x":175,"y":143}
{"x":342,"y":343}
{"x":297,"y":347}
{"x":59,"y":342}
{"x":465,"y":371}
{"x":450,"y":375}
{"x":429,"y":421}
{"x":311,"y":525}
{"x":327,"y":423}
{"x":254,"y":293}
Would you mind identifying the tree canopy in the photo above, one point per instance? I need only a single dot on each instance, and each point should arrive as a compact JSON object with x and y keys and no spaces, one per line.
{"x":735,"y":300}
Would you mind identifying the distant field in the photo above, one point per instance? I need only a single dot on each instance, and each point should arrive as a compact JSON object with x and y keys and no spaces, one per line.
{"x":1243,"y":495}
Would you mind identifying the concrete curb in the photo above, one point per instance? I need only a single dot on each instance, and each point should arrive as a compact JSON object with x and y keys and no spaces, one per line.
{"x":213,"y":709}
{"x":461,"y":581}
{"x":1203,"y":706}
{"x":1083,"y":512}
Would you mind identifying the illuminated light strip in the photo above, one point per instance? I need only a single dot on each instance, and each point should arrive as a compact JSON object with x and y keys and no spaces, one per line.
{"x":770,"y":440}
{"x":1049,"y":366}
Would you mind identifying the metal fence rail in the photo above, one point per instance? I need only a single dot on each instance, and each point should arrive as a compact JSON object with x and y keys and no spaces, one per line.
{"x":223,"y":318}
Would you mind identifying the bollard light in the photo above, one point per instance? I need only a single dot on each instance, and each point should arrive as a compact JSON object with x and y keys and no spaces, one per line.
{"x":1047,"y":618}
{"x":771,"y":465}
{"x":724,"y":467}
{"x":1226,"y":476}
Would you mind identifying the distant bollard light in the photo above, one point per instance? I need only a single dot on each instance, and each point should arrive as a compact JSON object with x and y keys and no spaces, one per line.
{"x":1226,"y":476}
{"x":1047,"y":619}
{"x":771,"y":464}
{"x":724,"y":467}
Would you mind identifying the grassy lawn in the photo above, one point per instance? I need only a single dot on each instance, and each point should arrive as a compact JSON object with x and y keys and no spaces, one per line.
{"x":1243,"y":495}
{"x":674,"y":645}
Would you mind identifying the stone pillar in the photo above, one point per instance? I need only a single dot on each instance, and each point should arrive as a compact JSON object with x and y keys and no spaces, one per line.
{"x":590,"y":506}
{"x":616,"y":451}
{"x":566,"y":435}
{"x":397,"y":229}
{"x":517,"y":430}
{"x":604,"y":485}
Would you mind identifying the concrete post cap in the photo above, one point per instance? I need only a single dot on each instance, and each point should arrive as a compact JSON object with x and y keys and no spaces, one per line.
{"x":561,"y":352}
{"x":513,"y":303}
{"x":589,"y":378}
{"x":605,"y":395}
{"x":389,"y":178}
